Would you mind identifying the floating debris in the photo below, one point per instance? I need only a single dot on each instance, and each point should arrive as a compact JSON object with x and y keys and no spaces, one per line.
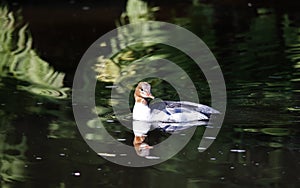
{"x":107,"y":154}
{"x":238,"y":150}
{"x":152,"y":157}
{"x":201,"y":149}
{"x":210,"y":137}
{"x":103,"y":44}
{"x":111,"y":87}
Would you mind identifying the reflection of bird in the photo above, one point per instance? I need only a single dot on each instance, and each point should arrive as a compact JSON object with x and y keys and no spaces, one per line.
{"x":140,"y":129}
{"x":167,"y":111}
{"x":141,"y":147}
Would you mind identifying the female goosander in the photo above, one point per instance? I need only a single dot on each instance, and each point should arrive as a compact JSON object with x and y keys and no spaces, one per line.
{"x":167,"y":111}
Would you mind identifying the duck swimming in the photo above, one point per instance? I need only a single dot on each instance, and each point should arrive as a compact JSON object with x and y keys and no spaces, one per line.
{"x":167,"y":111}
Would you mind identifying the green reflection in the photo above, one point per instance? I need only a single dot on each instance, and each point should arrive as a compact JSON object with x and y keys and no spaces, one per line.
{"x":112,"y":67}
{"x":137,"y":11}
{"x":21,"y":69}
{"x":12,"y":152}
{"x":18,"y":60}
{"x":276,"y":131}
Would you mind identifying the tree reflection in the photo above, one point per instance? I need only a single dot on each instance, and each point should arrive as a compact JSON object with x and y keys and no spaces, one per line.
{"x":21,"y":69}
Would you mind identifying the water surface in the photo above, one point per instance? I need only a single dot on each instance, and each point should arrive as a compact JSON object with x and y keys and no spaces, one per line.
{"x":257,"y":46}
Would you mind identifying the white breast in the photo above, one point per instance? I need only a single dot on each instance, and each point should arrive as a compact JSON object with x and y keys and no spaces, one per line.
{"x":141,"y":112}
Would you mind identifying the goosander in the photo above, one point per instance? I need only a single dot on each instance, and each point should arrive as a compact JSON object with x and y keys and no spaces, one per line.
{"x":167,"y":111}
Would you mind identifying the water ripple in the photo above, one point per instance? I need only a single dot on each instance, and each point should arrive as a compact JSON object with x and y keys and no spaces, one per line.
{"x":20,"y":61}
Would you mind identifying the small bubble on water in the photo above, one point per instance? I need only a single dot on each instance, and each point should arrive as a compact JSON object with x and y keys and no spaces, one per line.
{"x":238,"y":150}
{"x":111,"y":87}
{"x":76,"y":174}
{"x":86,"y":8}
{"x":210,"y":138}
{"x":201,"y":148}
{"x":152,"y":157}
{"x":39,"y":103}
{"x":256,"y":164}
{"x":62,"y":154}
{"x":213,"y":159}
{"x":103,"y":44}
{"x":38,"y":158}
{"x":107,"y":154}
{"x":99,"y":169}
{"x":249,"y":4}
{"x":222,"y":178}
{"x":232,"y":167}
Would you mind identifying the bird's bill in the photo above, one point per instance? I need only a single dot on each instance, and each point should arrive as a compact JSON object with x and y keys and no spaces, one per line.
{"x":149,"y":95}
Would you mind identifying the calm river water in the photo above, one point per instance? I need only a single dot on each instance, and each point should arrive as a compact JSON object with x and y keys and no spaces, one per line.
{"x":257,"y":44}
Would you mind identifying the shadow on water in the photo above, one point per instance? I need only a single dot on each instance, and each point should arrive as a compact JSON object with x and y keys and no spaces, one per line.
{"x":258,"y":48}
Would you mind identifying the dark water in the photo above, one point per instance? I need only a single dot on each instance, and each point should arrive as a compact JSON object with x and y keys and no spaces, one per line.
{"x":257,"y":45}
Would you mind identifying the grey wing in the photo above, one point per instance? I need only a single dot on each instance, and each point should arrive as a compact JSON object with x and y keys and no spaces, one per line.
{"x":192,"y":106}
{"x":159,"y":111}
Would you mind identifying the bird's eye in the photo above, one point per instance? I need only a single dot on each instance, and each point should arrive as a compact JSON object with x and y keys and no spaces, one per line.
{"x":142,"y":89}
